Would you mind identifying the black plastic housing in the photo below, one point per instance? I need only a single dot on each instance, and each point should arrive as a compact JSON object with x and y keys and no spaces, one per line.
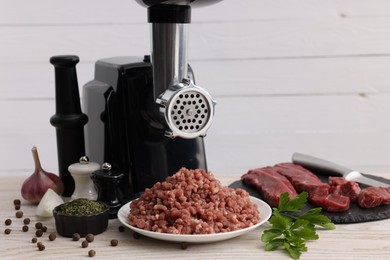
{"x":135,"y":144}
{"x":193,"y":3}
{"x":169,"y":14}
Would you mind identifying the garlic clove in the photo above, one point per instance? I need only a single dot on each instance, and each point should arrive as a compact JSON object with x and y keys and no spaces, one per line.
{"x":35,"y":186}
{"x":48,"y":202}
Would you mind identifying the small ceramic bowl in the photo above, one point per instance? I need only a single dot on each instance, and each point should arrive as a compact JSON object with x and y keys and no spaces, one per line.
{"x":67,"y":225}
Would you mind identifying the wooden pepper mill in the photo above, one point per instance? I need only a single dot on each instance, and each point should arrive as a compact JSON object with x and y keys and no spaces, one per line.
{"x":81,"y":173}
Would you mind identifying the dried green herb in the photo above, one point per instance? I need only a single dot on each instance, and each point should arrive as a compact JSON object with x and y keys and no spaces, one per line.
{"x":82,"y":206}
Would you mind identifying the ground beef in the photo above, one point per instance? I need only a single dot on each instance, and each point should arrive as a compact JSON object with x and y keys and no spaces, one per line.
{"x":192,"y":202}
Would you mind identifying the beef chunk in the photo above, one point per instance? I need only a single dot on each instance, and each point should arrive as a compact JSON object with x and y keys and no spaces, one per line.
{"x":374,"y":196}
{"x":339,"y":185}
{"x":303,"y":179}
{"x":331,"y":202}
{"x":335,"y":181}
{"x":269,"y":183}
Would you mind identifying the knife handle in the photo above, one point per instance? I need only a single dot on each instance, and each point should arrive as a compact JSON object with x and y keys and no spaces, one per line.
{"x":319,"y":165}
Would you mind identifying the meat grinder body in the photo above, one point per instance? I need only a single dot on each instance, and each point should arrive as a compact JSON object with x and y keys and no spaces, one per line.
{"x":123,"y":131}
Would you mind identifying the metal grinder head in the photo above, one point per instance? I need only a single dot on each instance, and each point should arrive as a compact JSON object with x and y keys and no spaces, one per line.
{"x":187,"y":110}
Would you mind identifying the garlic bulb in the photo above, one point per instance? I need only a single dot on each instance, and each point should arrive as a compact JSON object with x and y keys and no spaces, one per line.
{"x":48,"y":202}
{"x":35,"y":186}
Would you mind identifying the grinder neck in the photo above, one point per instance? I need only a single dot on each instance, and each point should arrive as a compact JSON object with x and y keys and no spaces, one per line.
{"x":169,"y":43}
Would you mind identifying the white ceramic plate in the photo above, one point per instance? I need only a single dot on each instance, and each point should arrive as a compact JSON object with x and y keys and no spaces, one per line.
{"x":265,"y":214}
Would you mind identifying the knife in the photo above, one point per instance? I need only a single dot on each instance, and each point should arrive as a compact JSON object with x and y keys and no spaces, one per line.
{"x":325,"y":167}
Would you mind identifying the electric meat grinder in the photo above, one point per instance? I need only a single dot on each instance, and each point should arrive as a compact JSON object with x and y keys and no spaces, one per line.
{"x":146,"y":115}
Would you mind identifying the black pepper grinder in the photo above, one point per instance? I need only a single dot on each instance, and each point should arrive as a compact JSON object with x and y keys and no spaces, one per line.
{"x":107,"y":182}
{"x":68,"y":120}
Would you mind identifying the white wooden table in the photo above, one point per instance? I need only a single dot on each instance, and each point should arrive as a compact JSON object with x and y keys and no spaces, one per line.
{"x":351,"y":241}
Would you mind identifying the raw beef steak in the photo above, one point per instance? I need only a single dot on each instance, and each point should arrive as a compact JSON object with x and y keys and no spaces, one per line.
{"x":269,"y":183}
{"x":303,"y":179}
{"x":319,"y":195}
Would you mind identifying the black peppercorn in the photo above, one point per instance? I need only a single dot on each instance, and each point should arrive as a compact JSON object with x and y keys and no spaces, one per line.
{"x":26,"y":221}
{"x":44,"y":228}
{"x":17,"y":202}
{"x":90,"y":237}
{"x":76,"y":237}
{"x":17,"y":207}
{"x":184,"y":245}
{"x":8,"y":222}
{"x":39,"y":244}
{"x":25,"y":228}
{"x":52,"y":236}
{"x":38,"y":225}
{"x":41,"y":247}
{"x":19,"y":214}
{"x":34,"y":240}
{"x":84,"y":244}
{"x":39,"y":233}
{"x":91,"y":253}
{"x":7,"y":231}
{"x":121,"y":228}
{"x":114,"y":242}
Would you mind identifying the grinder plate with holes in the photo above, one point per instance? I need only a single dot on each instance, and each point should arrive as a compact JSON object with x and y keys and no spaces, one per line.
{"x":188,"y":110}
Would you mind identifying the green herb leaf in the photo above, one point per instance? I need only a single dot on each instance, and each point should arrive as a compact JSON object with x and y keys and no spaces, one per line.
{"x":294,"y":205}
{"x":279,"y":222}
{"x":314,"y":217}
{"x":274,"y":244}
{"x":292,"y":231}
{"x":306,"y":234}
{"x":270,"y":234}
{"x":295,"y":252}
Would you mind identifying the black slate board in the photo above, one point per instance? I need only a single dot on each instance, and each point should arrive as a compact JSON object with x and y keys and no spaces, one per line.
{"x":355,"y":214}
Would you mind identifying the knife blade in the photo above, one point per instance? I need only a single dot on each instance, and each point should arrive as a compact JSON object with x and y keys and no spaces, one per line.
{"x":325,"y":167}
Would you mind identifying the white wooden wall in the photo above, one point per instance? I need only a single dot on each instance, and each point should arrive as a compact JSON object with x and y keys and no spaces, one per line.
{"x":289,"y":75}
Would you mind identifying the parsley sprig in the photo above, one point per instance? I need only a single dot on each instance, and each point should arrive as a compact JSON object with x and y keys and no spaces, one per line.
{"x":291,"y":231}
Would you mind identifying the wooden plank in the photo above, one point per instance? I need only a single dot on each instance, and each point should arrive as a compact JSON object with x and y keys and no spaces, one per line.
{"x":326,"y":38}
{"x":340,"y":114}
{"x":26,"y":123}
{"x":38,"y":44}
{"x":294,"y":77}
{"x":16,"y":12}
{"x":36,"y":80}
{"x":19,"y":12}
{"x":230,"y":78}
{"x":100,"y":12}
{"x":247,"y":132}
{"x":363,"y":8}
{"x":349,"y":130}
{"x":366,"y":152}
